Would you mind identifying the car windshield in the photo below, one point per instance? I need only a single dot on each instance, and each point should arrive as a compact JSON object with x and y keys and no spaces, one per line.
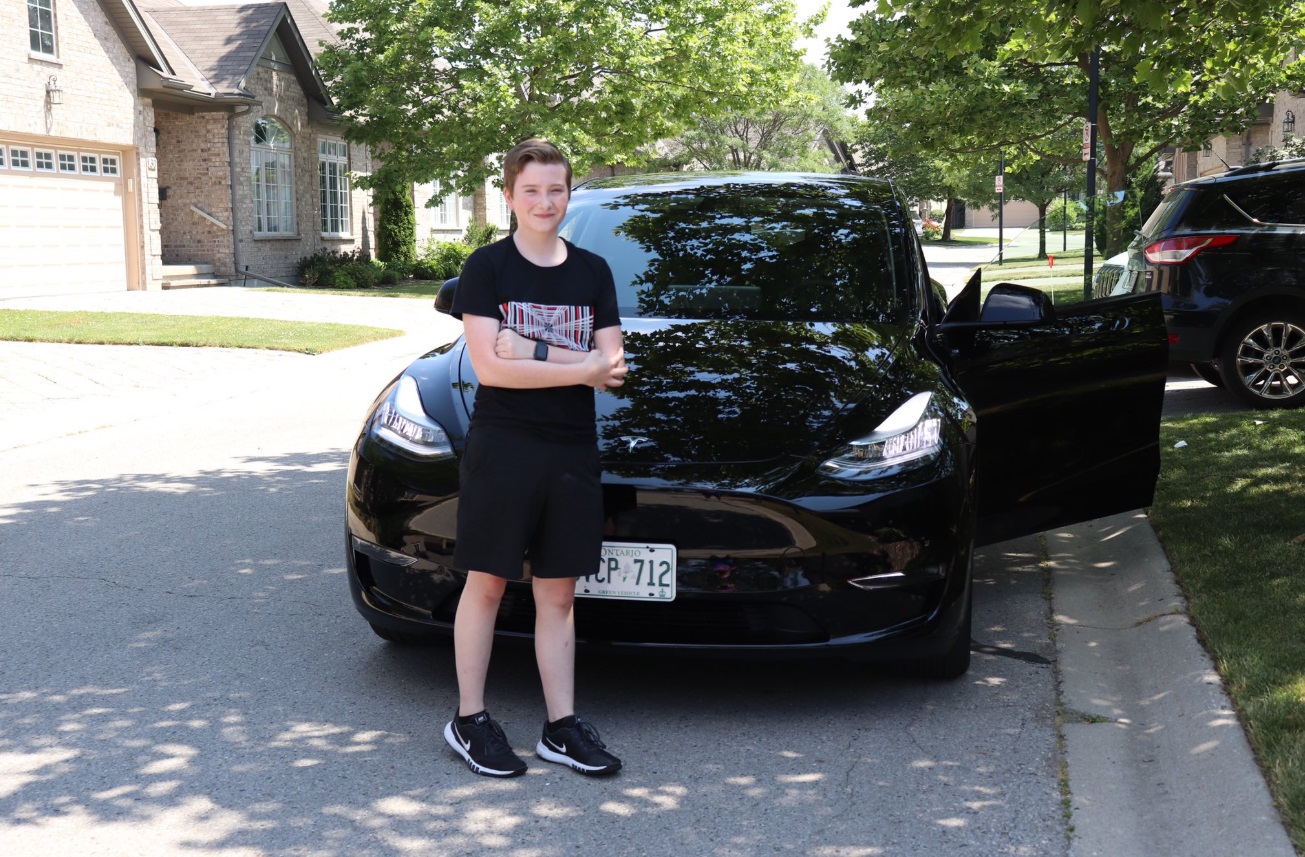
{"x":782,"y":252}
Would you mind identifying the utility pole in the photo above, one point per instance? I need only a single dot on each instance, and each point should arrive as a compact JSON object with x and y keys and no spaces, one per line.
{"x":1001,"y":203}
{"x":1094,"y":65}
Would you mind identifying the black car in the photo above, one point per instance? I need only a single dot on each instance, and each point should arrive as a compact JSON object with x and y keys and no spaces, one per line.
{"x":809,"y":444}
{"x":1227,"y":256}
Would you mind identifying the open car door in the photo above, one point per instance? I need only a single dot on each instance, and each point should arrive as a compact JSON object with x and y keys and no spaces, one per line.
{"x":1067,"y":399}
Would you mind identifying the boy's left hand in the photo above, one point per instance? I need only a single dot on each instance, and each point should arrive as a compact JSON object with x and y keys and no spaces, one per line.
{"x":511,"y":345}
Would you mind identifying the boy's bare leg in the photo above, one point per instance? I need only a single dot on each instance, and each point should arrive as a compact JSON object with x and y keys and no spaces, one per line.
{"x":473,"y":637}
{"x":555,"y":643}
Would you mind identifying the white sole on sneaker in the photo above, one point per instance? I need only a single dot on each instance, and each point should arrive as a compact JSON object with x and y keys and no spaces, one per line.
{"x":452,"y":739}
{"x":548,"y":753}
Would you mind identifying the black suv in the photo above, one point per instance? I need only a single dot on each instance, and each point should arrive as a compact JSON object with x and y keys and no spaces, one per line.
{"x":1227,"y":255}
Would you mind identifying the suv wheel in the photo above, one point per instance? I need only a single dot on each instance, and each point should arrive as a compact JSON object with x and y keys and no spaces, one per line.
{"x":1263,"y":360}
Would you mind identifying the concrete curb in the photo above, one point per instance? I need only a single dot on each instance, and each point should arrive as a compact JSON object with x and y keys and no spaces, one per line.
{"x":1158,"y":762}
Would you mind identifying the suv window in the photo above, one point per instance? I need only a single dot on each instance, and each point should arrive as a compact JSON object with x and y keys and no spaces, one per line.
{"x":778,"y":253}
{"x":1166,"y":213}
{"x":1275,"y":200}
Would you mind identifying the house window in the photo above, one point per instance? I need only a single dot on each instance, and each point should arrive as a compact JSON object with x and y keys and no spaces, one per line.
{"x":40,"y":26}
{"x":333,"y":182}
{"x":44,"y":161}
{"x":90,"y":164}
{"x":109,"y":165}
{"x":273,"y":178}
{"x":1207,"y":150}
{"x":67,"y":162}
{"x":20,"y":159}
{"x":1288,"y":125}
{"x":3,"y":164}
{"x":496,"y":206}
{"x":446,"y":210}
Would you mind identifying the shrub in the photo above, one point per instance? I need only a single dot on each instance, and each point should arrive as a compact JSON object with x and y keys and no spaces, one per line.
{"x":396,"y":225}
{"x":931,"y":230}
{"x":332,"y":269}
{"x":479,"y":236}
{"x":1058,"y":212}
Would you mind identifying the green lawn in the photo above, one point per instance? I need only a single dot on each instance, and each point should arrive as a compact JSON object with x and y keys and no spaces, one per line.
{"x":1230,"y":511}
{"x":120,"y":328}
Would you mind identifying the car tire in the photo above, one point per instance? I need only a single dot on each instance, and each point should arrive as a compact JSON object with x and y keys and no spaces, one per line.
{"x":1262,"y":360}
{"x":955,"y":662}
{"x":1209,"y":373}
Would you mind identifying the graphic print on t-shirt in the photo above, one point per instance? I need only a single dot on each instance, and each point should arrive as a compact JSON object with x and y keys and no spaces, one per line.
{"x":563,"y":326}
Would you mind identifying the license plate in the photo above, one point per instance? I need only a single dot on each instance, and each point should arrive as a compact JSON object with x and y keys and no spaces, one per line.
{"x":638,"y":572}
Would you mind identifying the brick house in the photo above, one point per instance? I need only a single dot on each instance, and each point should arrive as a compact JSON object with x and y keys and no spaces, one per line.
{"x":1274,"y":125}
{"x":143,"y":141}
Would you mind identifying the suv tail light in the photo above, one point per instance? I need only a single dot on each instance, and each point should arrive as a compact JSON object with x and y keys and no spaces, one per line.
{"x":1176,"y":251}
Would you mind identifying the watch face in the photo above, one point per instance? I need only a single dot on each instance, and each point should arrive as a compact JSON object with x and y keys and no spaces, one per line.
{"x":541,"y":350}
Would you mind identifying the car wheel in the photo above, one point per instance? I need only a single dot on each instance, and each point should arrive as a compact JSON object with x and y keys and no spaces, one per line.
{"x":955,"y":662}
{"x":1263,"y":360}
{"x":1209,"y":373}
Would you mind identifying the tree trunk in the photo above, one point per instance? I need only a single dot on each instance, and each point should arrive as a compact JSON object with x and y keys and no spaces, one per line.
{"x":480,"y":207}
{"x":1042,"y":231}
{"x":947,"y":219}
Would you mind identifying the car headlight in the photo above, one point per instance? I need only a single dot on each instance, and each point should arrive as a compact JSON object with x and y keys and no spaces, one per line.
{"x":912,"y":433}
{"x":402,"y":422}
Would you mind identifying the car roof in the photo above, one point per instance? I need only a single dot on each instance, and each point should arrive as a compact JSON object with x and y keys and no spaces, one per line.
{"x":674,"y":182}
{"x":1288,"y":166}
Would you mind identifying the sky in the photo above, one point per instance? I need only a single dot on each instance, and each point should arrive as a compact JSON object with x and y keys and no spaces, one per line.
{"x":840,"y":13}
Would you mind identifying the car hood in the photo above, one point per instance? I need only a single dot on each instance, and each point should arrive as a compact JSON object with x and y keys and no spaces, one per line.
{"x":730,"y":392}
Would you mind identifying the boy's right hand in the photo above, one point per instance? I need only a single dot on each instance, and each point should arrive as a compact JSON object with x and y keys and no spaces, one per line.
{"x":606,"y":370}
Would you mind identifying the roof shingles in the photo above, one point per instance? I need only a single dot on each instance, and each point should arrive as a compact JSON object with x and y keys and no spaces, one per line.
{"x":222,"y":42}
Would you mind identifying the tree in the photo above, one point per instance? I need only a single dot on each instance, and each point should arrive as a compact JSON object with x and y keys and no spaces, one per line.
{"x":449,"y":85}
{"x":1002,"y":74}
{"x":396,"y":225}
{"x":886,"y":148}
{"x":1040,"y":183}
{"x":788,"y":135}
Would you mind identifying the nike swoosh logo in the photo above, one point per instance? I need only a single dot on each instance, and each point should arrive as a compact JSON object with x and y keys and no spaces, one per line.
{"x":466,"y":745}
{"x":561,"y":748}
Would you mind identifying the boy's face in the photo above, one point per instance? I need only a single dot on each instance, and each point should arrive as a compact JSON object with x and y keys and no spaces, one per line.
{"x":539,"y":196}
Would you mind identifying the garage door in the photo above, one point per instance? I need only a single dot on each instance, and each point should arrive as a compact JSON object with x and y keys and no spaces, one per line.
{"x":62,"y":219}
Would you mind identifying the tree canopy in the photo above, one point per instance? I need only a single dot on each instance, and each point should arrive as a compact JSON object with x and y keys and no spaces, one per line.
{"x":445,"y":86}
{"x":788,"y":134}
{"x":983,"y":74}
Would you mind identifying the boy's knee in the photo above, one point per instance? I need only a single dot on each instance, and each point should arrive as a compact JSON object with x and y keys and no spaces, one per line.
{"x":554,"y":594}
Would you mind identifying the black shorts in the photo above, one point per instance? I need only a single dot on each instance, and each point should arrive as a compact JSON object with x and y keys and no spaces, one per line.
{"x":523,"y":497}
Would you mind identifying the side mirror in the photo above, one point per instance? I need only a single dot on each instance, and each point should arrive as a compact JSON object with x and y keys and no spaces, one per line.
{"x":1007,"y":302}
{"x":444,"y":297}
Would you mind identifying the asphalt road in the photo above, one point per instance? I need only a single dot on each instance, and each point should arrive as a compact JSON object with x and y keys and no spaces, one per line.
{"x":185,"y":674}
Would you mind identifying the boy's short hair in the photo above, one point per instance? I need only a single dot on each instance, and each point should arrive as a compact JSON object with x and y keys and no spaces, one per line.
{"x":533,"y":150}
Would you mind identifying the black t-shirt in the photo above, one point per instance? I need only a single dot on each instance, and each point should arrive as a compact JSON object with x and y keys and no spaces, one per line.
{"x":562,"y":305}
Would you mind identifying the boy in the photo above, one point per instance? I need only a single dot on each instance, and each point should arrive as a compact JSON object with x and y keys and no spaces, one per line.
{"x":542,"y":330}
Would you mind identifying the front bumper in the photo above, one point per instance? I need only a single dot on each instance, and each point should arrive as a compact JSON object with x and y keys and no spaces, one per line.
{"x":884,"y":575}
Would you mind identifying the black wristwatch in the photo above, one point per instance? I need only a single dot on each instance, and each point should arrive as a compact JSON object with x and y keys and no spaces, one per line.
{"x":541,"y":350}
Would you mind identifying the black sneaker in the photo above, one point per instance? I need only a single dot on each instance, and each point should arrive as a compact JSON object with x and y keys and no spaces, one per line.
{"x":575,"y":744}
{"x":484,"y":747}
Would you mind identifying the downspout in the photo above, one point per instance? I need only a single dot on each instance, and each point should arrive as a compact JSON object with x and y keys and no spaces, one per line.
{"x":236,"y":255}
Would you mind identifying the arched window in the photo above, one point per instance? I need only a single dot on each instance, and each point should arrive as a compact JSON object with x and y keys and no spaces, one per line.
{"x":273,"y":178}
{"x":1288,"y":125}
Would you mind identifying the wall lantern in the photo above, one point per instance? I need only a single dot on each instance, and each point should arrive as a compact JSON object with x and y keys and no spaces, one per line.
{"x":1288,"y":124}
{"x":53,"y":93}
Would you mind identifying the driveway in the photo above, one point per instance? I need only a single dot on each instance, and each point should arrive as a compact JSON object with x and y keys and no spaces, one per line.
{"x":187,"y":675}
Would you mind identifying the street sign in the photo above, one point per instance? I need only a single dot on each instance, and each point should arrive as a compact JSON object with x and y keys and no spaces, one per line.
{"x":1087,"y":141}
{"x":997,"y":184}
